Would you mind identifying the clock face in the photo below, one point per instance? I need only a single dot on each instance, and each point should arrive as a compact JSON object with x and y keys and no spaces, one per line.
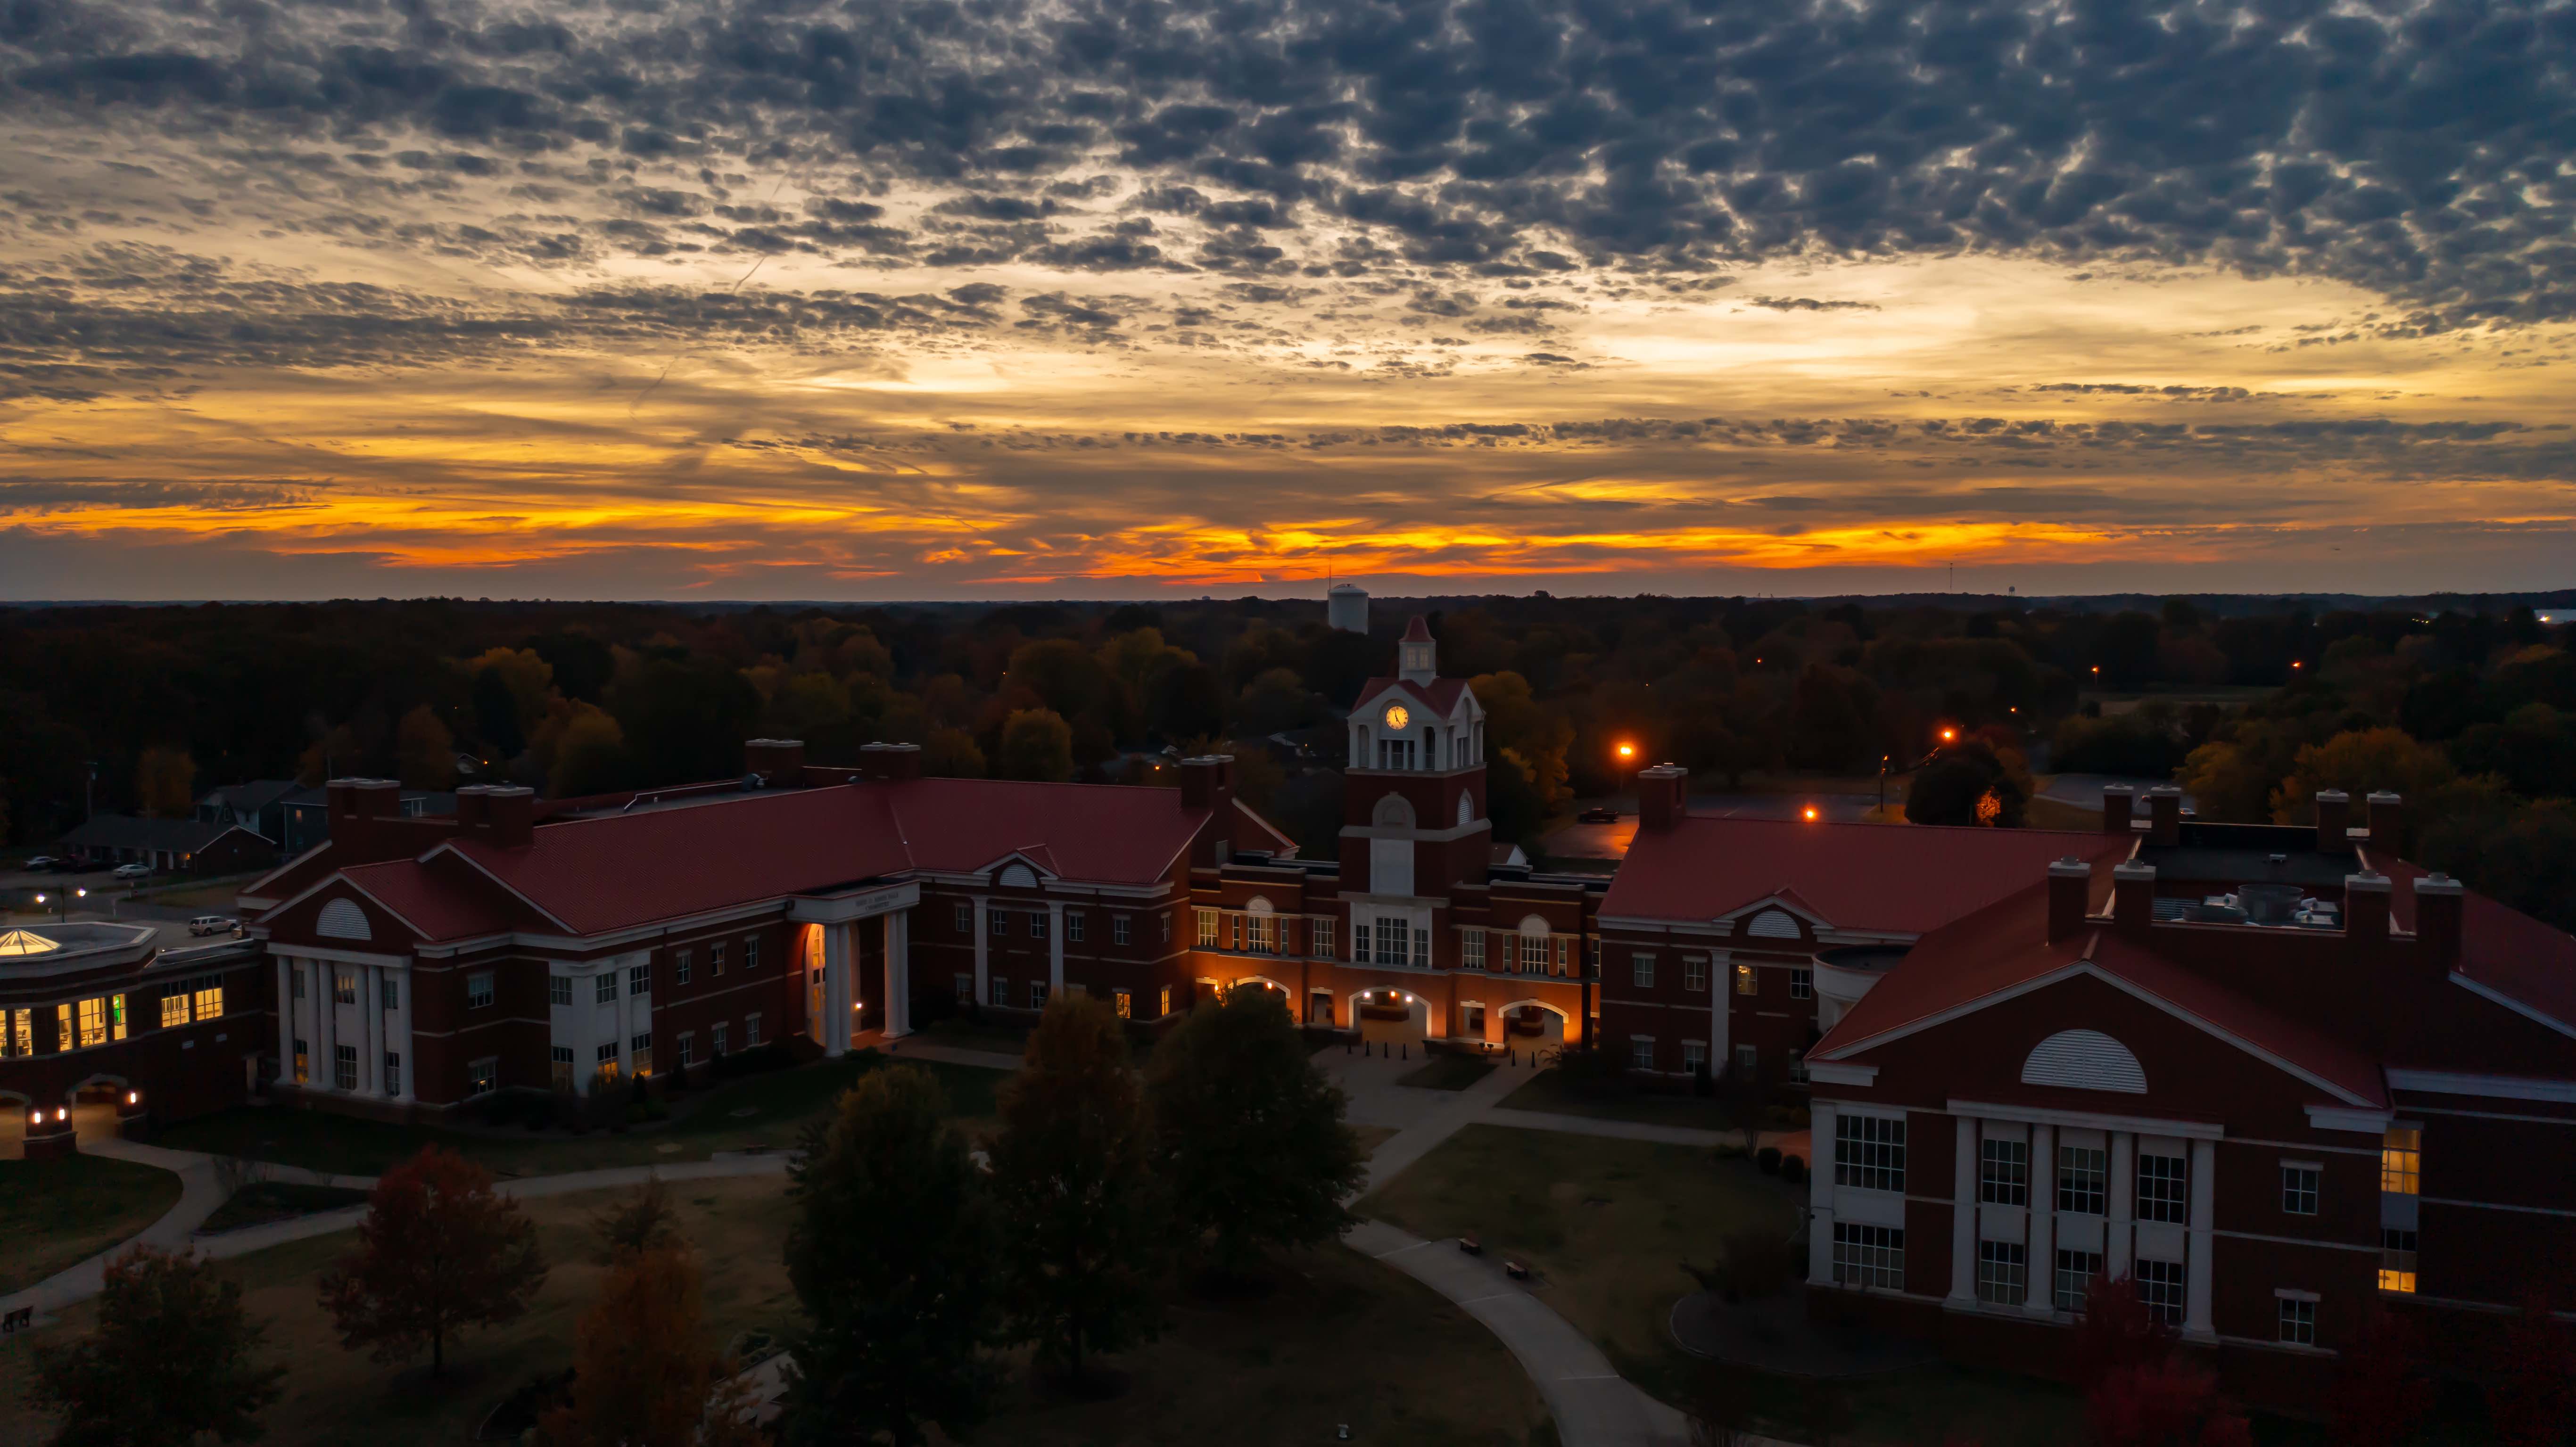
{"x":1396,"y":717}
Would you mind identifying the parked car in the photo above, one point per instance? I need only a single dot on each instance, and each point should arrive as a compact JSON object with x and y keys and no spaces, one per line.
{"x":133,"y":871}
{"x":44,"y":862}
{"x":212,"y":924}
{"x":1598,"y":814}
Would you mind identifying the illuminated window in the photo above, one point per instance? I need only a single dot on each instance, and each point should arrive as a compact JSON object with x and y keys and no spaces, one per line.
{"x":2396,"y":1260}
{"x":483,"y":1076}
{"x":1163,"y":1001}
{"x":93,"y":1022}
{"x":174,"y":1009}
{"x":64,"y":1037}
{"x":303,"y":1062}
{"x":1258,"y":930}
{"x":1207,"y":929}
{"x":606,"y":1056}
{"x":1126,"y":1004}
{"x":19,"y":1035}
{"x":344,"y":987}
{"x":1746,"y":982}
{"x":2401,"y":1160}
{"x":116,"y":1017}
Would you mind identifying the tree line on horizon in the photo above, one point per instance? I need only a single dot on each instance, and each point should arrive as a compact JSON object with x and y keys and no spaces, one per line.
{"x":2471,"y":714}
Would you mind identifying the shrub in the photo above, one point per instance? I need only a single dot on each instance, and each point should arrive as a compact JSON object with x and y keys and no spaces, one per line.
{"x":1767,"y":1160}
{"x":1793,"y":1169}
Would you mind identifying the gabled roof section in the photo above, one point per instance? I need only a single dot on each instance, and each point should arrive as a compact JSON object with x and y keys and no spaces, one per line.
{"x":439,"y":899}
{"x":2502,"y":950}
{"x":1877,"y":878}
{"x":1440,"y":695}
{"x":1251,"y":831}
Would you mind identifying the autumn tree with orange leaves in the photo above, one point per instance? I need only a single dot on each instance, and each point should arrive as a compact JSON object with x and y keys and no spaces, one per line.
{"x":439,"y":1252}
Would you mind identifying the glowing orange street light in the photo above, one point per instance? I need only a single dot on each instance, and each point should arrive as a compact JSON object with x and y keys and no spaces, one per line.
{"x":1627,"y":751}
{"x":1948,"y":734}
{"x":2294,"y":663}
{"x":1811,"y":811}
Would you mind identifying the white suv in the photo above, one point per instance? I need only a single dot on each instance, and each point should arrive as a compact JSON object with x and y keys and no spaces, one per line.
{"x":211,"y":924}
{"x":133,"y":871}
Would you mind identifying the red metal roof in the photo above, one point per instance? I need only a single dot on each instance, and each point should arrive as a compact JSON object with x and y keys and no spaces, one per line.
{"x":1440,"y":695}
{"x":1417,"y":630}
{"x":440,"y":899}
{"x":1897,"y":879}
{"x":2501,"y":948}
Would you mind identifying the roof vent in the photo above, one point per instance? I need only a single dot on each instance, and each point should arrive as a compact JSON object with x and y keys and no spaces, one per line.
{"x":2084,"y":1060}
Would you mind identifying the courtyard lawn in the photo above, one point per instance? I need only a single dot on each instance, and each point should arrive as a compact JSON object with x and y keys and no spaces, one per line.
{"x":1341,"y":1339}
{"x":769,"y":1109}
{"x":1449,"y":1072}
{"x":264,"y":1201}
{"x":1546,"y":1092}
{"x":58,"y":1214}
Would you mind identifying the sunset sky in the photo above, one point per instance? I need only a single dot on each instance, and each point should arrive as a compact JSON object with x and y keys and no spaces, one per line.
{"x":787,"y":300}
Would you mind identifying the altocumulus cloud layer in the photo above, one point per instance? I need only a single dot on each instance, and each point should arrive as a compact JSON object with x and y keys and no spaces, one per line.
{"x":807,"y":298}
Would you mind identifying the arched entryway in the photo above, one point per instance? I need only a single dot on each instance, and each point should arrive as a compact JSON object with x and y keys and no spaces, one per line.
{"x":1388,"y":1013}
{"x":1534,"y":1024}
{"x":13,"y":1124}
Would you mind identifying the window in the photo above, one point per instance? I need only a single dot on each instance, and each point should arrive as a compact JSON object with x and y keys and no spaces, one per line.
{"x":174,"y":1009}
{"x":751,"y":1029}
{"x":2003,"y":1273}
{"x":2075,"y":1273}
{"x":1167,"y":927}
{"x":393,"y":1073}
{"x":1746,"y":982}
{"x":388,"y":994}
{"x":1037,"y":994}
{"x":1163,"y":1002}
{"x":1319,"y":937}
{"x":715,"y":957}
{"x":1421,"y":948}
{"x":344,"y":1066}
{"x":1798,"y":1067}
{"x":1869,"y":1152}
{"x":2396,"y":1260}
{"x":997,"y":991}
{"x":483,"y":1076}
{"x":1471,"y":950}
{"x":1869,"y":1256}
{"x":1694,"y":1056}
{"x":639,"y":1050}
{"x":965,"y":917}
{"x":639,"y":979}
{"x":1641,"y":1052}
{"x":1748,"y":1062}
{"x":2401,"y":1160}
{"x":1802,"y":984}
{"x":295,"y":982}
{"x":1121,"y":929}
{"x":680,"y":968}
{"x":1694,"y":972}
{"x":93,"y":1022}
{"x":1207,"y":929}
{"x":344,"y":987}
{"x":716,"y":1034}
{"x":603,"y":987}
{"x":1037,"y":924}
{"x":1360,"y":941}
{"x":2081,"y":1174}
{"x":1641,"y":971}
{"x":2160,"y":1189}
{"x":2299,"y":1189}
{"x":559,"y":987}
{"x":1259,"y":927}
{"x":2160,"y":1288}
{"x":751,"y":952}
{"x":1592,"y":950}
{"x":1126,"y":1004}
{"x":965,"y":985}
{"x":2299,"y":1321}
{"x":606,"y":1054}
{"x":1074,"y":928}
{"x":303,"y":1062}
{"x":2003,"y":1172}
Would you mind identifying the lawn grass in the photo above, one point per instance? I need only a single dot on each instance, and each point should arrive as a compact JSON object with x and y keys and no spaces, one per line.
{"x":1341,"y":1339}
{"x":1447,"y":1071}
{"x":770,"y":1109}
{"x":57,"y":1214}
{"x":1546,"y":1091}
{"x":264,"y":1201}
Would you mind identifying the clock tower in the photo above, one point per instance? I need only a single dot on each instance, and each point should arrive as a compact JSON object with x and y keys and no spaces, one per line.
{"x":1413,"y":816}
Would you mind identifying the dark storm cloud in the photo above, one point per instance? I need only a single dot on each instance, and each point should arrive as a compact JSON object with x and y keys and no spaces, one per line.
{"x":2415,"y":151}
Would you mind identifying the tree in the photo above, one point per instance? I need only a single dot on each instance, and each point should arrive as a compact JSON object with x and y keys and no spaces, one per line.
{"x":2167,"y":1403}
{"x":2360,"y":762}
{"x":2382,"y":1393}
{"x":641,"y":1220}
{"x":1036,"y":744}
{"x":169,"y":1361}
{"x":1968,"y":783}
{"x":439,"y":1252}
{"x":2535,"y":1392}
{"x":1061,"y":672}
{"x":425,"y":750}
{"x":891,"y":1254}
{"x":165,"y":780}
{"x":641,"y":1373}
{"x":2117,"y":1332}
{"x":951,"y":754}
{"x":1250,"y":1138}
{"x":1073,"y":1184}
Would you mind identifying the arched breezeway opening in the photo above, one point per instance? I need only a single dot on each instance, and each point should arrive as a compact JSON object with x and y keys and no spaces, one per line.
{"x":1533,"y":1024}
{"x":1387,"y":1013}
{"x":94,"y":1104}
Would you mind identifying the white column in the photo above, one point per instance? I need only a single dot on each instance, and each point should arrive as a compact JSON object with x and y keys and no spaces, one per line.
{"x":1055,"y":949}
{"x":285,"y":1020}
{"x":1820,"y":1193}
{"x":326,"y":1025}
{"x":1721,"y":1010}
{"x":2196,"y":1274}
{"x":835,"y":1023}
{"x":2042,"y":1253}
{"x":371,"y":1053}
{"x":2124,"y":1157}
{"x":898,"y":973}
{"x":983,"y":953}
{"x":410,"y":1059}
{"x":1963,"y":1216}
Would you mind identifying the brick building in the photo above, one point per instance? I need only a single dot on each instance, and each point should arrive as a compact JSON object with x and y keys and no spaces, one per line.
{"x":98,"y":1013}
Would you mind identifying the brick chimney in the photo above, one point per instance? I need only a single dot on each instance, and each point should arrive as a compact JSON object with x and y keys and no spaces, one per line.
{"x":891,"y":762}
{"x":2133,"y":895}
{"x":2365,"y":907}
{"x":1663,"y":796}
{"x":1207,"y":781}
{"x":2439,"y":904}
{"x":779,"y":762}
{"x":474,"y":809}
{"x":2118,"y":800}
{"x":510,"y":815}
{"x":2334,"y":816}
{"x":2387,"y":816}
{"x":2070,"y":893}
{"x":363,"y":799}
{"x":2164,"y":815}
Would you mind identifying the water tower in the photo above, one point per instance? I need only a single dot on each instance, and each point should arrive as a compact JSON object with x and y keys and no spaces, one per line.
{"x":1346,"y":608}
